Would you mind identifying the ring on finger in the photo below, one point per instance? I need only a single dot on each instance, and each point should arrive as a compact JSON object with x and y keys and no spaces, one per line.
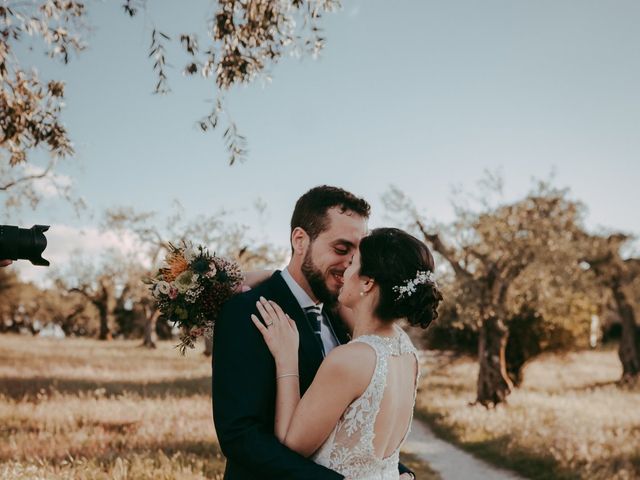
{"x":268,"y":324}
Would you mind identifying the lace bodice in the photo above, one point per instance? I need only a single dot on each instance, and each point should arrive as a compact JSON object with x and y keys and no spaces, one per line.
{"x":349,"y":449}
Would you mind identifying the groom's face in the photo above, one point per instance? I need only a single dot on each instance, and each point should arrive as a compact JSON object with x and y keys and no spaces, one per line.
{"x":328,"y":255}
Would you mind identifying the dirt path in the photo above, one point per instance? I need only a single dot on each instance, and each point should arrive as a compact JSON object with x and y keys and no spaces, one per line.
{"x":450,"y":461}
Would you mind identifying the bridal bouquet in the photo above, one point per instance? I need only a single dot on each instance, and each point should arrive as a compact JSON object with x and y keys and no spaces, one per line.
{"x":191,"y":288}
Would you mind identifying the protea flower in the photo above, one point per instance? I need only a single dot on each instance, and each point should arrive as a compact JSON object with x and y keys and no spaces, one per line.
{"x":176,"y":264}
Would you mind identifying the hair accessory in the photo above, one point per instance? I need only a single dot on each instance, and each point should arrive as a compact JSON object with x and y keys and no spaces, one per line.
{"x":409,"y":287}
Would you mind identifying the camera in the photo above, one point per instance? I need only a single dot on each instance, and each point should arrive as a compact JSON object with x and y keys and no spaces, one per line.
{"x":23,"y":243}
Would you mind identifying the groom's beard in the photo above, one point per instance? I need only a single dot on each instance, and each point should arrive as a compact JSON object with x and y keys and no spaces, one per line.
{"x":316,"y":281}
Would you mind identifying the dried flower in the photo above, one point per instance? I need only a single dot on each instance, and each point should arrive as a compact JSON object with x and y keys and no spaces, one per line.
{"x":191,"y":289}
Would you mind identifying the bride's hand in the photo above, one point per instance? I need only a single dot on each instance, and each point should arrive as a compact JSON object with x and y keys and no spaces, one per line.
{"x":279,"y":332}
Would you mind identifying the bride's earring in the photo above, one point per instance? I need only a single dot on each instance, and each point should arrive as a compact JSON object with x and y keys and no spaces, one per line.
{"x":362,"y":294}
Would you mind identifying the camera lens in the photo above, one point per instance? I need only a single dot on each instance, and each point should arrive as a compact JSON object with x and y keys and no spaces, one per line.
{"x":23,"y":243}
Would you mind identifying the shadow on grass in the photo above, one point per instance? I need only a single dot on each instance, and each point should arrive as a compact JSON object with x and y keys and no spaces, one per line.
{"x":164,"y":459}
{"x":205,"y":450}
{"x":198,"y":448}
{"x":497,"y":451}
{"x":19,"y":388}
{"x":15,"y":426}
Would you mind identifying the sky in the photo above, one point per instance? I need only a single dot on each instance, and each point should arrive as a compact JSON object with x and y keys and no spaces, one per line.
{"x":425,"y":95}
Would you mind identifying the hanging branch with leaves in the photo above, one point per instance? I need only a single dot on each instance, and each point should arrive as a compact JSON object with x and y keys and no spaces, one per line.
{"x":29,"y":107}
{"x":245,"y":37}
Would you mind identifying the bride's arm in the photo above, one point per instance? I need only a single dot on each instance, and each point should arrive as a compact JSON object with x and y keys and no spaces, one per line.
{"x":304,"y":424}
{"x":342,"y":377}
{"x":281,"y":335}
{"x":287,"y":399}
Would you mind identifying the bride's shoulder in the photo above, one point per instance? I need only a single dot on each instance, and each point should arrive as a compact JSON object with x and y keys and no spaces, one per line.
{"x":353,"y":361}
{"x":351,"y":351}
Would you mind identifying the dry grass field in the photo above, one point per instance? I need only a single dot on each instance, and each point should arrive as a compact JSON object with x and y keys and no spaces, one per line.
{"x":89,"y":410}
{"x":84,"y":409}
{"x":569,"y":420}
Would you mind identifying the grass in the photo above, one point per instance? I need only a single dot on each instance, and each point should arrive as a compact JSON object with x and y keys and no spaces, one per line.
{"x":569,"y":420}
{"x":84,"y":409}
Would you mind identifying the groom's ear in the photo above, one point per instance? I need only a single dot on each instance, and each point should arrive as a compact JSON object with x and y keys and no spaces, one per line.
{"x":299,"y":241}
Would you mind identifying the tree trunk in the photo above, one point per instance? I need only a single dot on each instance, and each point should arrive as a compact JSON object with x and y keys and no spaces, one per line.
{"x":515,"y":365}
{"x":208,"y":345}
{"x":105,"y":323}
{"x":105,"y":301}
{"x":493,"y":382}
{"x":523,"y":345}
{"x":150,"y":337}
{"x":628,"y":349}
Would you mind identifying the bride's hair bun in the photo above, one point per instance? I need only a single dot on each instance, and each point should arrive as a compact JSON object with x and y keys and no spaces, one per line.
{"x":402,"y":266}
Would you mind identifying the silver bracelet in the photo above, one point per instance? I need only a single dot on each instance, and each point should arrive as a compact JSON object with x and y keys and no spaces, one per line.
{"x":288,"y":375}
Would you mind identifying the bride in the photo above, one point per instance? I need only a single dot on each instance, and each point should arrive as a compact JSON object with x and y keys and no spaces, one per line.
{"x":357,"y":413}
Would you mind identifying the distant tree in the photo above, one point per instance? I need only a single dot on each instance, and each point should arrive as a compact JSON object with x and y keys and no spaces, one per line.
{"x":69,"y":311}
{"x":510,"y":262}
{"x":8,"y":292}
{"x":24,"y":306}
{"x":619,"y":276}
{"x":101,"y":293}
{"x":550,"y":326}
{"x":8,"y":279}
{"x":18,"y":306}
{"x":99,"y":285}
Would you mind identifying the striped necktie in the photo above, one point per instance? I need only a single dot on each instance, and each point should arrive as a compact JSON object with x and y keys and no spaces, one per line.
{"x":314,"y":314}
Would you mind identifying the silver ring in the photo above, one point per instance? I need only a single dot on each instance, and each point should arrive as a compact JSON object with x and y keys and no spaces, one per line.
{"x":268,"y":324}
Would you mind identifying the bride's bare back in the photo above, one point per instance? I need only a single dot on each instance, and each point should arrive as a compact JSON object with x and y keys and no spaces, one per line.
{"x":366,"y":441}
{"x":396,"y":408}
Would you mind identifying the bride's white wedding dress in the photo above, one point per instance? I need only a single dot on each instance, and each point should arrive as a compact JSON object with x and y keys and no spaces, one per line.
{"x":349,"y":449}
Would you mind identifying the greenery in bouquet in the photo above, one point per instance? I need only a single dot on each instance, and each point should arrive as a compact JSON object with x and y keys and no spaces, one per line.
{"x":191,"y":288}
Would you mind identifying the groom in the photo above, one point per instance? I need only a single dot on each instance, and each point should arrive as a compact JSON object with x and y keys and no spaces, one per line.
{"x":326,"y":228}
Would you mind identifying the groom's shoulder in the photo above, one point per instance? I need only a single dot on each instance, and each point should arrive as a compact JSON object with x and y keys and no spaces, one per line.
{"x":247,"y":300}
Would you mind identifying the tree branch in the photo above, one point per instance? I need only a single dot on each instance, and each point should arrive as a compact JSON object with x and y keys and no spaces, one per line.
{"x":439,"y":246}
{"x":28,"y":178}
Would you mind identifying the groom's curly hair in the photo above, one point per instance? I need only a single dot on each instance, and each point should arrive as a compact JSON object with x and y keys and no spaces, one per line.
{"x":310,"y":212}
